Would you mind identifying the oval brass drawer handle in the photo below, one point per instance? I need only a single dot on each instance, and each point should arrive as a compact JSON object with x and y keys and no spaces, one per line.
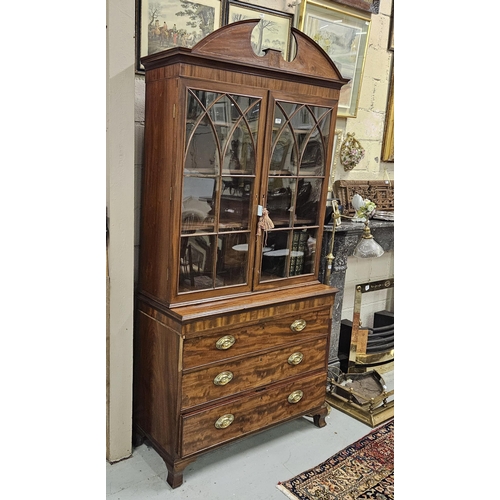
{"x":224,"y":421}
{"x":298,"y":325}
{"x":225,"y":342}
{"x":295,"y":396}
{"x":295,"y":358}
{"x":223,"y":378}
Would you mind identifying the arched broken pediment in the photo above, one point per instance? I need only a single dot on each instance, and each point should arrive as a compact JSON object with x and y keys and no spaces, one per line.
{"x":310,"y":59}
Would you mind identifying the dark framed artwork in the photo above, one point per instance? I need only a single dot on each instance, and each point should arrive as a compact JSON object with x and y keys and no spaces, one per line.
{"x":164,"y":24}
{"x":273,"y":30}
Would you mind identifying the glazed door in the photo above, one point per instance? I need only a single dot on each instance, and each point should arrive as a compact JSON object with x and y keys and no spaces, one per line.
{"x":221,"y":176}
{"x":294,"y":189}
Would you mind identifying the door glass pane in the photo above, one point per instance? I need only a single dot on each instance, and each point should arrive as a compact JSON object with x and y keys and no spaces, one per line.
{"x":202,"y":155}
{"x":303,"y":252}
{"x":279,"y":121}
{"x":239,"y":148}
{"x":280,"y":200}
{"x":198,"y":198}
{"x":275,"y":255}
{"x":308,"y":198}
{"x":322,"y":113}
{"x":235,"y":202}
{"x":197,"y":260}
{"x":288,"y":253}
{"x":283,"y":158}
{"x":312,"y":155}
{"x":239,"y":152}
{"x":232,"y":266}
{"x":288,"y":108}
{"x":195,"y":105}
{"x":220,"y":108}
{"x":301,"y":118}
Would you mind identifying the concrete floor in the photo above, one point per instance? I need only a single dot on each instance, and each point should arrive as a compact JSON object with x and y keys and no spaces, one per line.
{"x":248,"y":469}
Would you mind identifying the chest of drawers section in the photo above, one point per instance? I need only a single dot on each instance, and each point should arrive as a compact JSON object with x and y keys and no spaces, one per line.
{"x":210,"y":375}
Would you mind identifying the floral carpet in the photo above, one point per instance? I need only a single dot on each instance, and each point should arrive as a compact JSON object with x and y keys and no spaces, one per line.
{"x":362,"y":470}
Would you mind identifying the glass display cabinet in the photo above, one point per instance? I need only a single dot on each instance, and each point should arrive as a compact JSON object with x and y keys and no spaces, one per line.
{"x":232,"y":323}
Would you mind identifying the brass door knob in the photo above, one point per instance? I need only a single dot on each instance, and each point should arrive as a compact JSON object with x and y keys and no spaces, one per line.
{"x":224,"y":421}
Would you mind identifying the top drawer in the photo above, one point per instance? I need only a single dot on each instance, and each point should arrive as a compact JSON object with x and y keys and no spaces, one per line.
{"x":254,"y":337}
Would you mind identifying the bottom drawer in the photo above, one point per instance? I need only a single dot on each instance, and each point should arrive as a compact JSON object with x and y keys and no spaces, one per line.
{"x":204,"y":429}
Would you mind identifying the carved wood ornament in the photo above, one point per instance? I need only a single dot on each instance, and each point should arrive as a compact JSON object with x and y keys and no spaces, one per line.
{"x":380,"y":192}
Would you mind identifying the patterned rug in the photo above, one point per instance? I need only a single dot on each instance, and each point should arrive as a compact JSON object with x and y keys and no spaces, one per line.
{"x":363,"y":470}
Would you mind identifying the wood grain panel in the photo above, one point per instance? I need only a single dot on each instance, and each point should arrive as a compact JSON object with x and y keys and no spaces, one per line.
{"x":255,"y":307}
{"x":158,"y":379}
{"x":252,"y":372}
{"x":228,"y":313}
{"x":204,"y":74}
{"x":200,"y":351}
{"x":262,"y":409}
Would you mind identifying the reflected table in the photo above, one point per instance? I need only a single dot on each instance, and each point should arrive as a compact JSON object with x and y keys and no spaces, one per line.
{"x":243,"y":247}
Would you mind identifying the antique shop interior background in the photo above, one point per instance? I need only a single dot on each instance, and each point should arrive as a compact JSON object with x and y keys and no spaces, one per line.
{"x":365,"y":114}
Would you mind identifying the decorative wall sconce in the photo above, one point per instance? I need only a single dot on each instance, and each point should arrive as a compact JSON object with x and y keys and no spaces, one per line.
{"x":351,"y":152}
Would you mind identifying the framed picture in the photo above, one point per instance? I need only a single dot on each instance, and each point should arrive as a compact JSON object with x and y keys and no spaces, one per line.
{"x":273,"y":30}
{"x":219,"y":113}
{"x":344,"y":36}
{"x":367,"y":5}
{"x":388,"y":141}
{"x":164,"y":24}
{"x":337,"y":142}
{"x":390,"y":45}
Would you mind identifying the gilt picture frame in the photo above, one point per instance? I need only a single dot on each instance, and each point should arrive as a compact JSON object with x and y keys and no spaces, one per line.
{"x":388,"y":140}
{"x":343,"y":34}
{"x":163,"y":24}
{"x":273,"y":31}
{"x":390,"y":45}
{"x":337,"y":143}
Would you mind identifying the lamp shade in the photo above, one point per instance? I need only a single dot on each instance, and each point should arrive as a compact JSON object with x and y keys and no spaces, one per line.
{"x":367,"y":247}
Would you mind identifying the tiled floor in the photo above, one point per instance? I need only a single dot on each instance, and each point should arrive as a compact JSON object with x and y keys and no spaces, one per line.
{"x":248,"y":469}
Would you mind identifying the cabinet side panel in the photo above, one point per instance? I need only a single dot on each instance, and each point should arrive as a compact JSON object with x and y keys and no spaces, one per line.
{"x":155,"y":244}
{"x":157,"y":381}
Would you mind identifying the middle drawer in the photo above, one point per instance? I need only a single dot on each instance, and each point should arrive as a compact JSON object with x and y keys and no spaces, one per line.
{"x":230,"y":377}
